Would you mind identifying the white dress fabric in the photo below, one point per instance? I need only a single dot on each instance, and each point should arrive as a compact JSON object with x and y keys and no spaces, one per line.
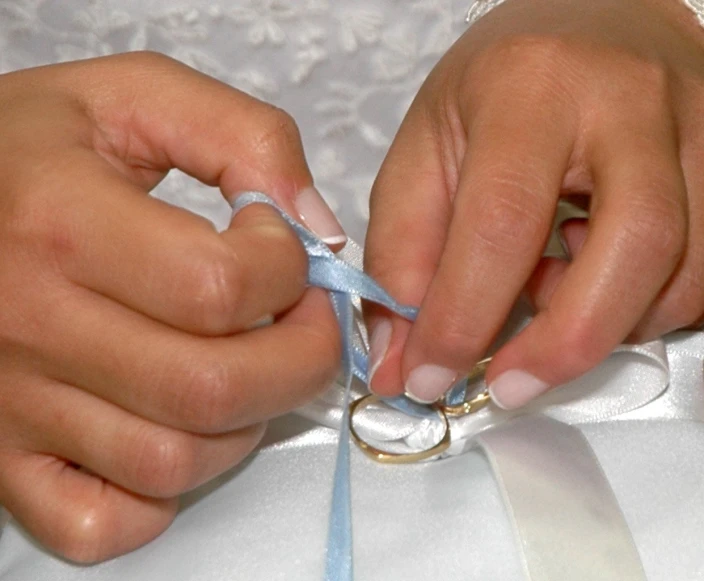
{"x":347,"y":71}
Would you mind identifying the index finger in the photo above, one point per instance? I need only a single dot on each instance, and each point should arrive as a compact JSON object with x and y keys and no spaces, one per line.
{"x":152,"y":113}
{"x":511,"y":177}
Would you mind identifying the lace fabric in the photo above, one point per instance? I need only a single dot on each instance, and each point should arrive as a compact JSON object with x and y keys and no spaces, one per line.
{"x":347,"y":71}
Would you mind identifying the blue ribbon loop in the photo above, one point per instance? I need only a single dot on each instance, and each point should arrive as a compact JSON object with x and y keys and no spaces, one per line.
{"x":345,"y":282}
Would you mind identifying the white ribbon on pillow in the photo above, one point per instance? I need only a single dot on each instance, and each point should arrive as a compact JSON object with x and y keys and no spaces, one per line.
{"x":566,"y":518}
{"x":567,"y":521}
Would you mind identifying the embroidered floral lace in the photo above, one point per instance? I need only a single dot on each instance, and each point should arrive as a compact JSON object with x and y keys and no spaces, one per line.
{"x":347,"y":71}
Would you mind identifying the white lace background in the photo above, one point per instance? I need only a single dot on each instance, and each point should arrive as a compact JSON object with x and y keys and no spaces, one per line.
{"x":346,"y":70}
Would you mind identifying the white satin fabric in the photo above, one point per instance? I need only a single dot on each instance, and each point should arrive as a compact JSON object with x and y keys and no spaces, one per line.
{"x":443,"y":519}
{"x":566,"y":518}
{"x":640,"y":412}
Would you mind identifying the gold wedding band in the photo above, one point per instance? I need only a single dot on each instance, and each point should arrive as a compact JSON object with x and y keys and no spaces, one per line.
{"x":473,"y":405}
{"x":393,"y":457}
{"x":443,"y":410}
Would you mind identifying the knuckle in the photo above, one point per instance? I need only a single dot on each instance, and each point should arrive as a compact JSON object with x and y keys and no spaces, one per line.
{"x":165,"y":462}
{"x":62,"y":243}
{"x":278,"y":132}
{"x":529,"y":59}
{"x":651,"y":80}
{"x":150,"y":59}
{"x":508,"y":220}
{"x":454,"y":344}
{"x":653,"y":74}
{"x":657,"y":228}
{"x":536,"y":49}
{"x":647,"y":77}
{"x":43,"y":231}
{"x":218,"y":285}
{"x":42,"y":219}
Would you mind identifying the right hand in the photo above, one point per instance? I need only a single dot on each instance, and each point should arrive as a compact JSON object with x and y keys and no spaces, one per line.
{"x":129,"y":368}
{"x":541,"y":99}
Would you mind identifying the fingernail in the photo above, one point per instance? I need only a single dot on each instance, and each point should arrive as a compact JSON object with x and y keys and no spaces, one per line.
{"x":515,"y":388}
{"x":378,"y":346}
{"x":427,"y":383}
{"x":319,"y":217}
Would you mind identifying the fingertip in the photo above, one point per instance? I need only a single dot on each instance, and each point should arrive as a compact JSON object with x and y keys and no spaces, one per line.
{"x":387,"y":342}
{"x":426,"y":383}
{"x":515,"y":388}
{"x":257,"y":216}
{"x":270,"y":226}
{"x":555,"y":348}
{"x":379,"y":341}
{"x":310,"y":209}
{"x":78,"y":515}
{"x":319,"y":217}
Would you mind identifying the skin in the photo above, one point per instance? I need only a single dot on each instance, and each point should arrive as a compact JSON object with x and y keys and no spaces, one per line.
{"x":543,"y":99}
{"x":130,"y":372}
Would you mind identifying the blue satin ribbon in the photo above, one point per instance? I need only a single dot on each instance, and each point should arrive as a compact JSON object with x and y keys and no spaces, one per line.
{"x":345,"y":282}
{"x":588,"y":525}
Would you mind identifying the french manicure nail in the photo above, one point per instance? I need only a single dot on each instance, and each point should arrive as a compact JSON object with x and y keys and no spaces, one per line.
{"x":378,"y":346}
{"x":515,"y":388}
{"x":319,"y":217}
{"x":427,"y":383}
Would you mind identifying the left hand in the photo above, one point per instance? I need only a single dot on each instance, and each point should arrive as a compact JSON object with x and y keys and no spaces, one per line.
{"x":543,"y":98}
{"x":131,"y":366}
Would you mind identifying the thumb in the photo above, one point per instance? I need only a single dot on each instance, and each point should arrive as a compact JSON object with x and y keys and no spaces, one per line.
{"x":153,"y":113}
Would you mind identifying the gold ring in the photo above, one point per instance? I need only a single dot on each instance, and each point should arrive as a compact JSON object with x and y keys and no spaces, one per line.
{"x":392,"y":457}
{"x":467,"y":407}
{"x":476,"y":403}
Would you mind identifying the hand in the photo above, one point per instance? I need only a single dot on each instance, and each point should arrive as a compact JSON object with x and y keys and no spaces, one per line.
{"x":130,"y":370}
{"x":541,"y":99}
